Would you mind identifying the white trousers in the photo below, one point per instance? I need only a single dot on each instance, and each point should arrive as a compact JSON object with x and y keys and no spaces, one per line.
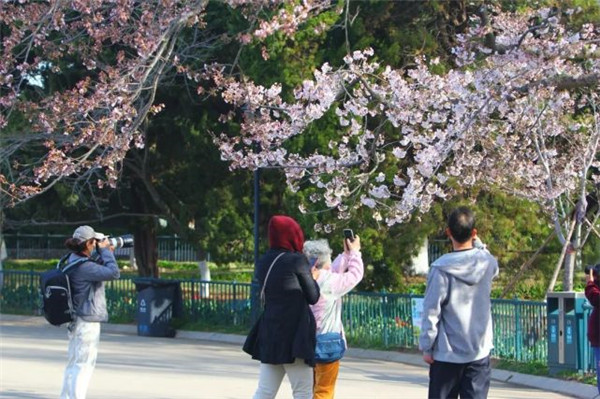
{"x":271,"y":375}
{"x":83,"y":351}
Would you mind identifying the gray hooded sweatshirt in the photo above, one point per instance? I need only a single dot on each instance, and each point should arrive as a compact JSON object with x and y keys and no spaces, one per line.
{"x":87,"y":283}
{"x":457,"y":321}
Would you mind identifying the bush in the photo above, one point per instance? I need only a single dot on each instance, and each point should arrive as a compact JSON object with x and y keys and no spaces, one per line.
{"x":37,"y":265}
{"x":241,"y":272}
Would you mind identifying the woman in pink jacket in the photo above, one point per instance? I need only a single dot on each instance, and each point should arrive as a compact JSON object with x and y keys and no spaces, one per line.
{"x":335,"y":280}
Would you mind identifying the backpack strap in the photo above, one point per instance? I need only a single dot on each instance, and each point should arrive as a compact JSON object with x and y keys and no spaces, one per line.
{"x":66,"y":267}
{"x":62,"y":261}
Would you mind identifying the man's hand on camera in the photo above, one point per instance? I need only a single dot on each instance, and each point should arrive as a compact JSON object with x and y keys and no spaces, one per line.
{"x":105,"y":244}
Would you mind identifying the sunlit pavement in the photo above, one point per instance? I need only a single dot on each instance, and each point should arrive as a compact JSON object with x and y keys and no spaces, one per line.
{"x":33,"y":356}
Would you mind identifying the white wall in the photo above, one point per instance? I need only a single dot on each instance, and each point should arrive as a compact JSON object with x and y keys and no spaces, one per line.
{"x":420,"y":263}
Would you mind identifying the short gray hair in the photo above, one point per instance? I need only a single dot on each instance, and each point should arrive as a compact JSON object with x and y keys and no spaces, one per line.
{"x":318,"y":252}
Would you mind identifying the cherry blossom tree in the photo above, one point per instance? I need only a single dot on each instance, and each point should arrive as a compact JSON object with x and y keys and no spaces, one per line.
{"x":518,"y":111}
{"x":116,"y":52}
{"x":78,"y":86}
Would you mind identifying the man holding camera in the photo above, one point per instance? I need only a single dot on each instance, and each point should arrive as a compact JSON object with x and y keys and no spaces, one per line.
{"x":456,"y":332}
{"x":592,"y":293}
{"x":89,"y":301}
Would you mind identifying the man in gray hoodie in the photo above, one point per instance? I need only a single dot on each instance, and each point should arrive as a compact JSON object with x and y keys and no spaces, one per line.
{"x":456,"y":331}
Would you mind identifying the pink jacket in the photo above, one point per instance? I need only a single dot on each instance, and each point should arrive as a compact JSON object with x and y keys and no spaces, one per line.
{"x":346,"y":272}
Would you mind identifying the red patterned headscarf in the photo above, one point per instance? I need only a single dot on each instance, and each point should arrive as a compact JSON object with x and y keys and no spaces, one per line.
{"x":285,"y":233}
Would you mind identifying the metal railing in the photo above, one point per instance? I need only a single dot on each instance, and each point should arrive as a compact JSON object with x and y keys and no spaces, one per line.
{"x":51,"y":246}
{"x":436,"y":247}
{"x":171,"y":248}
{"x":379,"y":320}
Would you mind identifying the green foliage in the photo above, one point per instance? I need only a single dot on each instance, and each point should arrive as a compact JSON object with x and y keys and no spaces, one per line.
{"x":585,"y":378}
{"x":29,"y":264}
{"x":240,"y":272}
{"x":291,"y":59}
{"x":532,"y":368}
{"x":228,"y":229}
{"x":536,"y":368}
{"x":590,"y":10}
{"x":591,"y":251}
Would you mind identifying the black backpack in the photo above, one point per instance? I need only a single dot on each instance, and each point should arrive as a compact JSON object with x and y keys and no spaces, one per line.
{"x":55,"y":290}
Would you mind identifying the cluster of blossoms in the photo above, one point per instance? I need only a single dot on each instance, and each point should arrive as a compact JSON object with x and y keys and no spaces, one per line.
{"x":514,"y":113}
{"x":120,"y":50}
{"x":87,"y":129}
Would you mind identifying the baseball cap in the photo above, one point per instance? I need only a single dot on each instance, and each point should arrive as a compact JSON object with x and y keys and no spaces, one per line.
{"x":84,"y":233}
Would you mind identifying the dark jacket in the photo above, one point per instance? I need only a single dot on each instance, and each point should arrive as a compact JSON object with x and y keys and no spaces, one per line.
{"x":592,"y":293}
{"x":286,"y":330}
{"x":87,"y":282}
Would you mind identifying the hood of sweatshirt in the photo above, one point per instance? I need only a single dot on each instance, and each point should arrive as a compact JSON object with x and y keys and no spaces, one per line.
{"x":468,"y":266}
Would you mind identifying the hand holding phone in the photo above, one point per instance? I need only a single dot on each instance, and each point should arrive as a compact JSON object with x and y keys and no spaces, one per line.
{"x":590,"y":275}
{"x":349,"y":234}
{"x":351,"y":242}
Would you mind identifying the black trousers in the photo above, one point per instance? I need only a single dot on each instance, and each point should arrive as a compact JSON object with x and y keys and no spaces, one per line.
{"x":469,"y":380}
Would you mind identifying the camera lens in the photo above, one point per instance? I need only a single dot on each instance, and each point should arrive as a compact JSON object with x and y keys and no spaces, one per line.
{"x":125,"y":241}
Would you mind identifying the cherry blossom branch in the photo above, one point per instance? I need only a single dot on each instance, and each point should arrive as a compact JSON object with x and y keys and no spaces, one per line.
{"x":592,"y":227}
{"x":117,"y":92}
{"x":467,"y":125}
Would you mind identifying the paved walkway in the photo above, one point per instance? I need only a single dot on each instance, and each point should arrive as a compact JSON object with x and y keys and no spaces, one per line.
{"x":211,"y":366}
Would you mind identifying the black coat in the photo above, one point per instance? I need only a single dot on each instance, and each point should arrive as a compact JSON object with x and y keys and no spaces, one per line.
{"x":286,"y":329}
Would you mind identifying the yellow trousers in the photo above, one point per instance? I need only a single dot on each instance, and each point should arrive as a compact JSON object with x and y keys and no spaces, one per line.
{"x":325,"y":378}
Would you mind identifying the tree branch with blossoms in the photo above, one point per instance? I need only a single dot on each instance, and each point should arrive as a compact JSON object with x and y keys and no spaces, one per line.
{"x":512,"y":120}
{"x":117,"y":53}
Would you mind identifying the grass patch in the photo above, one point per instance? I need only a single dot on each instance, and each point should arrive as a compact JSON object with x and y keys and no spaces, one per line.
{"x":189,"y":325}
{"x":586,"y":378}
{"x":534,"y":368}
{"x":242,"y":273}
{"x":541,"y":369}
{"x":207,"y":327}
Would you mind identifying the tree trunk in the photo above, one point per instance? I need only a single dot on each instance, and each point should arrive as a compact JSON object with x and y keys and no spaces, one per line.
{"x":568,"y":276}
{"x":570,"y":259}
{"x":145,"y":242}
{"x":145,"y":246}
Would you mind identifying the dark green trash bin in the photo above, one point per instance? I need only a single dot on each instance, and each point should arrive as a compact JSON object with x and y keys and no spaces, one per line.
{"x":158,"y":302}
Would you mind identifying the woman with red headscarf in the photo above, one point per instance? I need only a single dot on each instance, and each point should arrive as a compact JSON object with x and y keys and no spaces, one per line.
{"x":283,"y":339}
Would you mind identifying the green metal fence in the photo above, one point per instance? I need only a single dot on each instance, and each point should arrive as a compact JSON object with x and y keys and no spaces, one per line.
{"x":379,"y":320}
{"x":388,"y":320}
{"x":49,"y":246}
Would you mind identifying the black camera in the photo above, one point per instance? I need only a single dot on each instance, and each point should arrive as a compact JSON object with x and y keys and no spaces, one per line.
{"x":124,"y":241}
{"x":595,"y":268}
